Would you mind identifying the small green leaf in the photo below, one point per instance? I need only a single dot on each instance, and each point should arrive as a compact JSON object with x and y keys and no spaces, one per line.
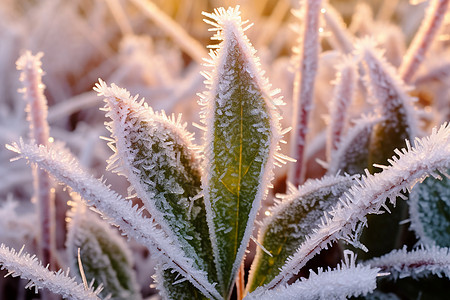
{"x":104,"y":256}
{"x":430,"y":211}
{"x":290,"y":222}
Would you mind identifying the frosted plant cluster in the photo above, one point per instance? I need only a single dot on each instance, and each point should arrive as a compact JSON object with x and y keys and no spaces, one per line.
{"x":331,"y":181}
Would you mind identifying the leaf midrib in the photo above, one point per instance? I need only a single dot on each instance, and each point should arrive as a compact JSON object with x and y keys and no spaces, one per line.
{"x":241,"y":138}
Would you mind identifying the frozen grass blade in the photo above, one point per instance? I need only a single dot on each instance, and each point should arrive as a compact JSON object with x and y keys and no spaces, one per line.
{"x":37,"y":110}
{"x":369,"y":196}
{"x":389,"y":94}
{"x":428,"y":30}
{"x":306,"y":69}
{"x":241,"y":138}
{"x":28,"y":267}
{"x":115,"y":209}
{"x":340,"y":38}
{"x":343,"y":95}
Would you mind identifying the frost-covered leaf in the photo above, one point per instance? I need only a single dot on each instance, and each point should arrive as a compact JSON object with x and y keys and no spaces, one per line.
{"x":428,"y":30}
{"x":156,"y":154}
{"x":240,"y":142}
{"x":296,"y":215}
{"x":394,"y":105}
{"x":37,"y":111}
{"x":306,"y":62}
{"x":171,"y":285}
{"x":343,"y":94}
{"x":421,"y":262}
{"x":28,"y":267}
{"x":392,"y":102}
{"x":348,"y":279}
{"x":105,"y":257}
{"x":352,"y":154}
{"x":115,"y":209}
{"x":430,"y":211}
{"x":369,"y":196}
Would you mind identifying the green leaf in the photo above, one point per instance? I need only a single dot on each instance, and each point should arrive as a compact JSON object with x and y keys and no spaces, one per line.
{"x":156,"y":154}
{"x":241,"y":134}
{"x":104,"y":256}
{"x":384,"y":232}
{"x":172,"y":286}
{"x":430,"y":211}
{"x":352,"y":155}
{"x":290,"y":222}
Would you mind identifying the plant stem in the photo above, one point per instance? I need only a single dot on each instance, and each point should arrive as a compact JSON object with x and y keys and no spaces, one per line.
{"x":240,"y":282}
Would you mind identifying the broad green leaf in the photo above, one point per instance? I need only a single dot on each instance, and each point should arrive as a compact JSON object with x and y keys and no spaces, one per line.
{"x":156,"y":154}
{"x":241,"y":133}
{"x":290,"y":222}
{"x":104,"y":256}
{"x":430,"y":211}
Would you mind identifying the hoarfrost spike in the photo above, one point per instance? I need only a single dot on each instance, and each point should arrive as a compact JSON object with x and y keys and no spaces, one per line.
{"x":422,"y":41}
{"x":37,"y":111}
